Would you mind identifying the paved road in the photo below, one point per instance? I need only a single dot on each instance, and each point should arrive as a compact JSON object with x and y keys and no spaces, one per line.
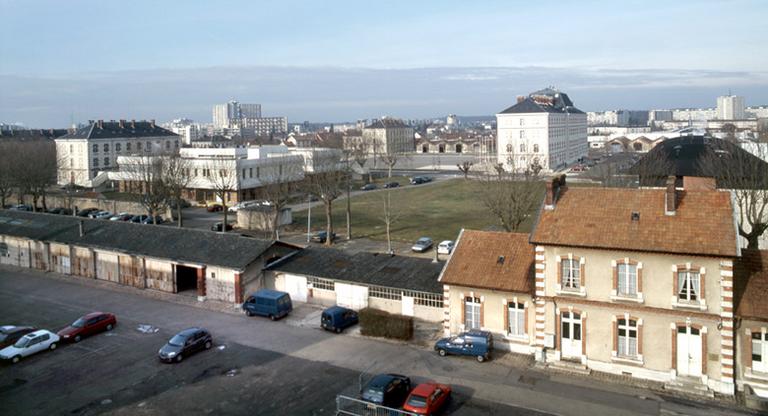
{"x":279,"y":369}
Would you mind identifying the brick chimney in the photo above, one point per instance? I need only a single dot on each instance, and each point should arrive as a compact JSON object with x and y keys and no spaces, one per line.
{"x":152,"y":123}
{"x":133,"y":124}
{"x":520,"y":98}
{"x":554,"y":186}
{"x":122,"y":124}
{"x":670,"y":197}
{"x":100,"y":124}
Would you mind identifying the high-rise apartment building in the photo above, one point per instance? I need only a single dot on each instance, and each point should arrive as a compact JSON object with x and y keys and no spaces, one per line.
{"x":543,"y":129}
{"x":231,"y":114}
{"x":730,"y":107}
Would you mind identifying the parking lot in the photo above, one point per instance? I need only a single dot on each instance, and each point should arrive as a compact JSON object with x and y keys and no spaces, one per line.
{"x":256,"y":366}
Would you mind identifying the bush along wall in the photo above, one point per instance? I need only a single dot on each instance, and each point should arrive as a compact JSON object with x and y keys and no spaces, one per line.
{"x":377,"y":323}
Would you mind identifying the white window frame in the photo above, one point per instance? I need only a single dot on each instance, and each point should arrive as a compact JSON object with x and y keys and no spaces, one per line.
{"x":684,"y":282}
{"x":627,"y":344}
{"x":760,"y":366}
{"x":472,"y":304}
{"x":572,"y":280}
{"x":516,"y":319}
{"x":627,"y":279}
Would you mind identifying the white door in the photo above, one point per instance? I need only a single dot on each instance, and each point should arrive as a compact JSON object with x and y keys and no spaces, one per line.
{"x":407,"y":309}
{"x":570,"y":327}
{"x":296,"y":286}
{"x":351,"y":296}
{"x":688,"y":351}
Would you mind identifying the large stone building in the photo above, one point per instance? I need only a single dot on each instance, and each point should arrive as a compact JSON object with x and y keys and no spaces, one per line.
{"x":88,"y":150}
{"x":230,"y":114}
{"x":730,"y":107}
{"x":388,"y":136}
{"x":543,"y":129}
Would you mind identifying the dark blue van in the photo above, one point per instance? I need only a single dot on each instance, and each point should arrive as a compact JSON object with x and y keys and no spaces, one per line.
{"x":475,"y":343}
{"x":337,"y":319}
{"x":268,"y":302}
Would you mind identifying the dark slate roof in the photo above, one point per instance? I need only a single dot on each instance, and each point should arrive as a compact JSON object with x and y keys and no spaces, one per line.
{"x":228,"y":250}
{"x":400,"y":272}
{"x":528,"y":105}
{"x":118,"y":129}
{"x":692,"y":156}
{"x":34,"y":134}
{"x":386,"y":123}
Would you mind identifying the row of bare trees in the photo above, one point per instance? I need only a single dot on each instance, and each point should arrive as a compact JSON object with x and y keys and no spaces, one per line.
{"x":160,"y":182}
{"x":27,"y":168}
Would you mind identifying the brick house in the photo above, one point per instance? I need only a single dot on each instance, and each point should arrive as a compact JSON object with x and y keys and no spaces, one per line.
{"x":488,"y":283}
{"x":751,"y":289}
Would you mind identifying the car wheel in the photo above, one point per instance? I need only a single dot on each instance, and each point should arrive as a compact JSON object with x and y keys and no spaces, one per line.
{"x":53,"y":346}
{"x":77,"y":338}
{"x":109,"y":327}
{"x":480,"y":358}
{"x":272,"y":317}
{"x":248,"y":313}
{"x":442,"y":352}
{"x":208,"y":345}
{"x":337,"y":330}
{"x":16,"y":359}
{"x":179,"y":358}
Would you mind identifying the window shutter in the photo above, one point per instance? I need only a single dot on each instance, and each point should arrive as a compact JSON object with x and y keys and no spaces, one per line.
{"x":560,"y":273}
{"x":747,"y":350}
{"x":506,"y":318}
{"x":583,"y":276}
{"x":702,"y":285}
{"x":675,"y":284}
{"x":616,"y":337}
{"x":525,"y":321}
{"x":482,"y":314}
{"x":704,"y":353}
{"x":639,"y":279}
{"x":640,"y":338}
{"x":463,"y":311}
{"x":616,"y":277}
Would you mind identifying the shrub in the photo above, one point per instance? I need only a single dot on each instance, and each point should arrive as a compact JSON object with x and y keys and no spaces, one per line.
{"x":377,"y":323}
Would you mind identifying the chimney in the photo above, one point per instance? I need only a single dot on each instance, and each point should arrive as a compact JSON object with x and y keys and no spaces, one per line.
{"x":100,"y":123}
{"x":133,"y":124}
{"x":122,"y":124}
{"x":554,"y":187}
{"x":152,"y":123}
{"x":81,"y":225}
{"x":520,"y":98}
{"x":670,"y":197}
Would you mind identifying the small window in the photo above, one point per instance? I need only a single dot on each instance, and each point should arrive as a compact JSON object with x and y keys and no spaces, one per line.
{"x":571,"y":270}
{"x":95,"y":148}
{"x":128,"y":146}
{"x":106,"y":147}
{"x":95,"y":161}
{"x":535,"y":148}
{"x":118,"y":147}
{"x":3,"y":249}
{"x":522,"y":147}
{"x":106,"y":161}
{"x":516,"y":318}
{"x":167,"y":145}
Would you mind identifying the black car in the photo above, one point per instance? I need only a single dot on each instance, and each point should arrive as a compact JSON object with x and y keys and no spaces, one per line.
{"x":389,"y":390}
{"x":9,"y":334}
{"x":321,"y":236}
{"x":368,"y":187}
{"x":418,"y":180}
{"x":391,"y":185}
{"x":218,"y":226}
{"x":138,"y":219}
{"x":185,"y":343}
{"x":86,"y":212}
{"x":60,"y":211}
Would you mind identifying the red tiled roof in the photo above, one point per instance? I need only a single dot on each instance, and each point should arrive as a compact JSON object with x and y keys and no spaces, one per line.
{"x":476,"y":262}
{"x":703,"y":223}
{"x":751,"y":285}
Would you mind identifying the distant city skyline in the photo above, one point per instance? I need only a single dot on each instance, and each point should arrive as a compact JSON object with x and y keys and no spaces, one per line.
{"x":341,"y":61}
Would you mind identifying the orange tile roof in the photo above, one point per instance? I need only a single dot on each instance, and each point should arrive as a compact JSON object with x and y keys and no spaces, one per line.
{"x":602,"y":218}
{"x":751,"y":285}
{"x":476,"y":263}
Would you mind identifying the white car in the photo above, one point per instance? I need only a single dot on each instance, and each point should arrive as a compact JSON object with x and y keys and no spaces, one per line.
{"x":29,"y":344}
{"x":445,"y":247}
{"x":241,"y":205}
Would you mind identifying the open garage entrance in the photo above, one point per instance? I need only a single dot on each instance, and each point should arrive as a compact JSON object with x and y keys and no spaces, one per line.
{"x":186,"y":280}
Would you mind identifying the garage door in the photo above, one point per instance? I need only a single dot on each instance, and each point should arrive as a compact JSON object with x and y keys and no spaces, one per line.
{"x":296,"y":286}
{"x":106,"y":267}
{"x":351,"y":296}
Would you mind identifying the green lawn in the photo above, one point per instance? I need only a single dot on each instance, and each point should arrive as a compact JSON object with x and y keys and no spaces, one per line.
{"x":437,"y":210}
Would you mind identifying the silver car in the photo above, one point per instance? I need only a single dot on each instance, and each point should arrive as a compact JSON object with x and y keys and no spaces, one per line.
{"x":29,"y":344}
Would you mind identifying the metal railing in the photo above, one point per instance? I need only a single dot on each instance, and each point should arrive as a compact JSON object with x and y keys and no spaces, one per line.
{"x":351,"y":406}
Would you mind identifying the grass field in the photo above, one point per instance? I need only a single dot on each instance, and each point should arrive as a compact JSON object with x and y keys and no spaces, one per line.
{"x":438,"y":210}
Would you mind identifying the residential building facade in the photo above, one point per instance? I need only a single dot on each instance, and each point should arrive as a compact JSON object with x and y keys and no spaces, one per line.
{"x":95,"y":147}
{"x":388,"y":136}
{"x":730,"y":107}
{"x":230,"y":114}
{"x":544,"y":130}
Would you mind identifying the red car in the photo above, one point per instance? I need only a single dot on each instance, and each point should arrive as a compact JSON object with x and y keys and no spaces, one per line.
{"x":86,"y":325}
{"x":214,"y":208}
{"x":427,"y":398}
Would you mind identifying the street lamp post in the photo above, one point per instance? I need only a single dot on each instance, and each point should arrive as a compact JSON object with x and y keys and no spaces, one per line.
{"x":309,"y":217}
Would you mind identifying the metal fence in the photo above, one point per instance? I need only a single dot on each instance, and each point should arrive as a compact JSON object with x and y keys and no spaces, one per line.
{"x":351,"y":406}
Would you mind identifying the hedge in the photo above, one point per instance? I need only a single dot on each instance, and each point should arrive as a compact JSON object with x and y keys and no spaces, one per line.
{"x":377,"y":323}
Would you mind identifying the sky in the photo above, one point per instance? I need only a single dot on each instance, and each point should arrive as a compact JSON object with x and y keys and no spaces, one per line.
{"x":344,"y":60}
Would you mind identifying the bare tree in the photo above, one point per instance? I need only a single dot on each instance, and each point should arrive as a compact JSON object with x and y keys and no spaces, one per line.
{"x":145,"y":177}
{"x":465,"y":167}
{"x":175,"y":178}
{"x":511,"y":195}
{"x":34,"y":169}
{"x":279,"y":185}
{"x":746,"y":175}
{"x":327,"y":184}
{"x":7,"y":182}
{"x":222,"y":176}
{"x":389,"y":217}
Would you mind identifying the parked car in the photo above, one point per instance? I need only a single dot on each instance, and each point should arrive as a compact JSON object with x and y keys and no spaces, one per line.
{"x":445,"y":247}
{"x":139,"y":219}
{"x":267,"y":302}
{"x":422,"y":244}
{"x":158,"y":219}
{"x":29,"y":344}
{"x":214,"y":207}
{"x":20,"y":207}
{"x":244,"y":204}
{"x":104,"y":215}
{"x":9,"y":334}
{"x":428,"y":398}
{"x":85,"y":212}
{"x":219,"y":225}
{"x":321,"y":236}
{"x":185,"y":343}
{"x":87,"y":325}
{"x":388,"y":390}
{"x":123,"y":216}
{"x":181,"y":202}
{"x":60,"y":211}
{"x":391,"y":185}
{"x":337,"y":319}
{"x":368,"y":187}
{"x":478,"y":344}
{"x":95,"y":214}
{"x":417,"y":180}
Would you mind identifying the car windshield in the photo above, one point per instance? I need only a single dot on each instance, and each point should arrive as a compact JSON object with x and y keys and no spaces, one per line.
{"x":79,"y":323}
{"x":423,"y":240}
{"x":22,"y":342}
{"x":374,"y":395}
{"x":178,"y":341}
{"x":417,"y":401}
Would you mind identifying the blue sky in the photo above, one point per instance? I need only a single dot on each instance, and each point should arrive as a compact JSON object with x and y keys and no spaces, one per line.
{"x":344,"y":60}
